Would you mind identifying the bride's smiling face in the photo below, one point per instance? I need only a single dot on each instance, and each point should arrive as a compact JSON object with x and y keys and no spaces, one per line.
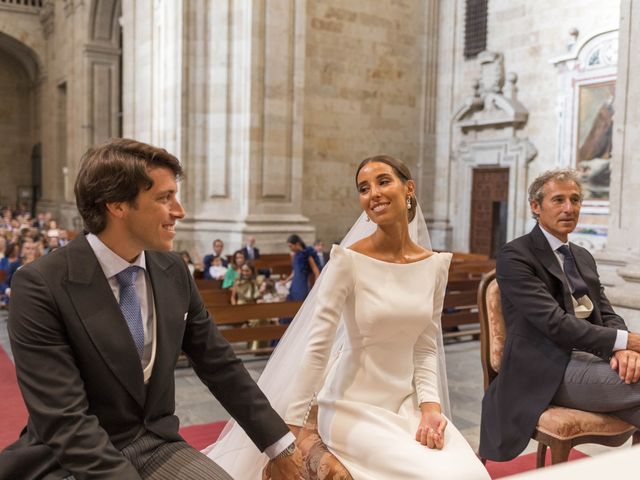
{"x":383,"y":195}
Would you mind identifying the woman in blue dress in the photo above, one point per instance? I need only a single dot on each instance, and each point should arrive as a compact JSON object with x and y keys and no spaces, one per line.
{"x":304,"y":263}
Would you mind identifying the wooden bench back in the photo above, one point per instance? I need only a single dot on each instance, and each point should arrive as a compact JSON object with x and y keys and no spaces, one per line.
{"x":212,"y":298}
{"x":208,"y":284}
{"x":232,"y":321}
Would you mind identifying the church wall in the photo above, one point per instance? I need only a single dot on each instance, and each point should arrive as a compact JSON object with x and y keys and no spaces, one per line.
{"x":15,"y":128}
{"x":529,"y":35}
{"x":363,"y":96}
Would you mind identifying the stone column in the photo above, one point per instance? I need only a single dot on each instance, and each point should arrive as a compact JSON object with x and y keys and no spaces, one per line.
{"x":231,"y":110}
{"x":620,"y":261}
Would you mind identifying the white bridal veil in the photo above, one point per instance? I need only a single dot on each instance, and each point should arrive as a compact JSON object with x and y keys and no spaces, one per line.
{"x":234,"y":451}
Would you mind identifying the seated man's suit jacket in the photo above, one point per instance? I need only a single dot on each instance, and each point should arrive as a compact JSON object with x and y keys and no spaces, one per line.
{"x":81,"y":377}
{"x":542,"y":331}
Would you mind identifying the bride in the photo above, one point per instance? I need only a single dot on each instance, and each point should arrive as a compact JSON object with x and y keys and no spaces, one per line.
{"x":367,"y":347}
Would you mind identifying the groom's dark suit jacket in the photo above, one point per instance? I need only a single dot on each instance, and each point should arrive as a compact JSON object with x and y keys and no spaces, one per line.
{"x":81,"y":378}
{"x":542,"y":330}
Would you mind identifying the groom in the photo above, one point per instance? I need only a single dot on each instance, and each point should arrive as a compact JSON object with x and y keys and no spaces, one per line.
{"x":96,"y":328}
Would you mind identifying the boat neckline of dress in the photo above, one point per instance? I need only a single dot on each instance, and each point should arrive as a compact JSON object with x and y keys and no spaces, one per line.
{"x":392,"y":263}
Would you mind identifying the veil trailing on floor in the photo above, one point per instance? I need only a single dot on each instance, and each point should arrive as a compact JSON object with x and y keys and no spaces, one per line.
{"x":234,"y":451}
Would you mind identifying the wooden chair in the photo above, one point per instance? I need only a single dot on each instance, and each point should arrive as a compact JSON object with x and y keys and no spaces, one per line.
{"x":559,"y":428}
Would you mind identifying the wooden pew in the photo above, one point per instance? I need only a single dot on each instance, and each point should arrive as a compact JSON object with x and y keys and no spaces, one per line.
{"x":208,"y":284}
{"x":460,"y":308}
{"x":232,"y":321}
{"x":278,"y":264}
{"x":216,"y":297}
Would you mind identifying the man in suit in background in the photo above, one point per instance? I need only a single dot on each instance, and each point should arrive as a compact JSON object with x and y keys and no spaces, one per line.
{"x":323,"y":256}
{"x":96,"y":329}
{"x":565,"y":345}
{"x":250,"y":251}
{"x":207,"y":261}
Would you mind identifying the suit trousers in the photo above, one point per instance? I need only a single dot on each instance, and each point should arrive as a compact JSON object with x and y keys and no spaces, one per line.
{"x":591,"y":384}
{"x":157,"y":459}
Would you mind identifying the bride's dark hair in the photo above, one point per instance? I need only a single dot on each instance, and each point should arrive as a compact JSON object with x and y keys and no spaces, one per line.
{"x":402,"y":172}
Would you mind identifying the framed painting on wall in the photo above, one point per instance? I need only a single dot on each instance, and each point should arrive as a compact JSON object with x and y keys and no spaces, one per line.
{"x":593,"y":141}
{"x":586,"y":79}
{"x":595,"y":132}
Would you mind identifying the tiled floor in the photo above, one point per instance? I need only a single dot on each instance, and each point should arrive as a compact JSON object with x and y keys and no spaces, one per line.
{"x":195,"y":404}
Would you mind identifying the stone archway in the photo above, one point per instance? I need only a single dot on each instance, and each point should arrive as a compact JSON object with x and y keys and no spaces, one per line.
{"x":19,"y":126}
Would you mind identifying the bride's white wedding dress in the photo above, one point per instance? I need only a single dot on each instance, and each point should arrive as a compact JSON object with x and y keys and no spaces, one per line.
{"x":368,"y":401}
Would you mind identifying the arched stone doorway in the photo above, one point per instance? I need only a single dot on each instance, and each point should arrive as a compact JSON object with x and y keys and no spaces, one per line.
{"x":19,"y":125}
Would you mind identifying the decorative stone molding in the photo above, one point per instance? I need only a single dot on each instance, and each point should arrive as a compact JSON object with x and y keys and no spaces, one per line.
{"x":47,"y":16}
{"x":490,"y":106}
{"x":591,"y":52}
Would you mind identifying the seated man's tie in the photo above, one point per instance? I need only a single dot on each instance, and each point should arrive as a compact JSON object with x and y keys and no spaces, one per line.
{"x":130,"y":305}
{"x":578,"y":287}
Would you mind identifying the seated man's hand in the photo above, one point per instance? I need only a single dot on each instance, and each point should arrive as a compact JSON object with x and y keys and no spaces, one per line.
{"x":627,"y":363}
{"x":284,"y":468}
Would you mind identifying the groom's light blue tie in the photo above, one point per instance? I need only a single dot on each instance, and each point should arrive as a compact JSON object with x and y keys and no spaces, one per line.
{"x":130,"y":305}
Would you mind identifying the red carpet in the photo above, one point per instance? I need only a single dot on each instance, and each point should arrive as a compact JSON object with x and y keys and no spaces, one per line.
{"x":523,"y":463}
{"x":14,"y":414}
{"x":200,"y":436}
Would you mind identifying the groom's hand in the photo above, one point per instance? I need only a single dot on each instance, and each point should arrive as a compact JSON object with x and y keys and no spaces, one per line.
{"x":284,"y":468}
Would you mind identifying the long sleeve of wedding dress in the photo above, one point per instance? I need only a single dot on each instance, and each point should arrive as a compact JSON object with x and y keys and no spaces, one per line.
{"x":336,"y":287}
{"x":425,"y":350}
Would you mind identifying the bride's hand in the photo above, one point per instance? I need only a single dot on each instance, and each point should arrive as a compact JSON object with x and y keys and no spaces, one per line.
{"x":431,"y":430}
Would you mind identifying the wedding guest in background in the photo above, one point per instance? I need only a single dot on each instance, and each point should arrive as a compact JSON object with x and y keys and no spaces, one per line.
{"x":233,"y":271}
{"x":323,"y":257}
{"x":217,"y":270}
{"x":218,"y":247}
{"x":251,"y":252}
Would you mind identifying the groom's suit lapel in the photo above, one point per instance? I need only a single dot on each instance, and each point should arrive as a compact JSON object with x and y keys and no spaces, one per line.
{"x":101,"y":316}
{"x":171,"y":305}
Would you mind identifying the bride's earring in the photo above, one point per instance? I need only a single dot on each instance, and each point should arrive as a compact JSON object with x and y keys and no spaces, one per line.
{"x":408,"y":203}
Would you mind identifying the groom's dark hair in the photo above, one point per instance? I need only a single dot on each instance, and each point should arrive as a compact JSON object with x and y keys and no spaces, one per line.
{"x":116,"y":171}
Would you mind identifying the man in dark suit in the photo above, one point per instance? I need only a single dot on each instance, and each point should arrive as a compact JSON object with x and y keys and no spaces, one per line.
{"x":207,"y":261}
{"x":323,"y":256}
{"x":565,"y":345}
{"x":250,"y":251}
{"x":96,"y":329}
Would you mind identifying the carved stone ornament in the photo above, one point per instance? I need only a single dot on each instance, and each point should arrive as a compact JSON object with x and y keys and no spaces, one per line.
{"x":492,"y":105}
{"x":47,"y":16}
